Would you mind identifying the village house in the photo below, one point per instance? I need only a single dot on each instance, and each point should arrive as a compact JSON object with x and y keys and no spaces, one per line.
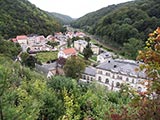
{"x":79,"y":45}
{"x":104,"y":56}
{"x":22,"y":39}
{"x":50,"y":69}
{"x":114,"y":73}
{"x":67,"y":53}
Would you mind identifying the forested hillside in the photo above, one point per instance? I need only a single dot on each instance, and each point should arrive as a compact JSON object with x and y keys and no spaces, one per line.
{"x":134,"y":20}
{"x":21,"y":17}
{"x":92,"y":18}
{"x":64,"y":19}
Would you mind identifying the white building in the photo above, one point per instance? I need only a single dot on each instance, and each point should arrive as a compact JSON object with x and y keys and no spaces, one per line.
{"x":79,"y":45}
{"x":113,"y":73}
{"x":67,"y":53}
{"x":22,"y":39}
{"x":104,"y":56}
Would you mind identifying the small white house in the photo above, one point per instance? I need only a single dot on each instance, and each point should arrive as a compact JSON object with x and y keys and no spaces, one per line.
{"x":79,"y":45}
{"x":67,"y":53}
{"x":103,"y":57}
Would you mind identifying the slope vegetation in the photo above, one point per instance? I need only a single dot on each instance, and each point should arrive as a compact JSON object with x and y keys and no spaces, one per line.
{"x":22,"y":17}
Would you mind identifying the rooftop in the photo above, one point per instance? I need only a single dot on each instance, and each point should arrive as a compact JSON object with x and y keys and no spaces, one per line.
{"x":69,"y":51}
{"x":90,"y":71}
{"x":21,"y":37}
{"x":123,"y":67}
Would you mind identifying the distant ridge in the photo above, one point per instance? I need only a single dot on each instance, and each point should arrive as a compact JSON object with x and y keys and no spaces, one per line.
{"x":64,"y":19}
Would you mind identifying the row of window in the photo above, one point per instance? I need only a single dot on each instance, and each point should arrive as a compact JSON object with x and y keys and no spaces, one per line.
{"x":87,"y":77}
{"x":107,"y":81}
{"x":113,"y":76}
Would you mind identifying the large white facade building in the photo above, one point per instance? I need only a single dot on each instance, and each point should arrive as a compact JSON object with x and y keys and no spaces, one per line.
{"x":113,"y":73}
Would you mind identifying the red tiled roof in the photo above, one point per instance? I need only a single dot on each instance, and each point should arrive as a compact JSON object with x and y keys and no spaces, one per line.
{"x":21,"y":37}
{"x":69,"y":51}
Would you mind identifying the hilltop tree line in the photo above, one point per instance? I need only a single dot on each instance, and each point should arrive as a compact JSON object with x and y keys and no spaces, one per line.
{"x":21,"y":17}
{"x":128,"y":21}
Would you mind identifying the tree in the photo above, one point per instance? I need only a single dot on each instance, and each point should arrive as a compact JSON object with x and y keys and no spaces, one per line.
{"x":69,"y":43}
{"x":20,"y":97}
{"x":149,"y":103}
{"x":73,"y":67}
{"x":87,"y":52}
{"x":28,"y":60}
{"x":131,"y":48}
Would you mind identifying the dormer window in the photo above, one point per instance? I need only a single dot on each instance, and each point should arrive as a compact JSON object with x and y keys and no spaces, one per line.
{"x":115,"y":66}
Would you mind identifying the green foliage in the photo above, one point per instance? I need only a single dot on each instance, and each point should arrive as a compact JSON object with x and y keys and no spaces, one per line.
{"x":118,"y":23}
{"x":87,"y":52}
{"x":53,"y":44}
{"x":130,"y":49}
{"x":43,"y":57}
{"x":28,"y":60}
{"x":9,"y":48}
{"x":73,"y":67}
{"x":20,"y":96}
{"x":21,"y":17}
{"x":64,"y":19}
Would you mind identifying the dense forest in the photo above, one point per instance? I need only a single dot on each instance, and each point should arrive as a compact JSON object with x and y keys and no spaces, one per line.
{"x":63,"y":19}
{"x":123,"y":24}
{"x":21,"y":17}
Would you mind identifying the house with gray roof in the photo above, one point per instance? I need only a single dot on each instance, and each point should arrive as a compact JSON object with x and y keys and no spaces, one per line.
{"x":104,"y":56}
{"x":89,"y":74}
{"x":50,"y":69}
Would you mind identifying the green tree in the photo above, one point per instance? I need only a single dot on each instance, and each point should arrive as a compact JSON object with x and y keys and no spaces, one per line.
{"x":151,"y":57}
{"x":130,"y":49}
{"x":20,"y":98}
{"x":87,"y":52}
{"x":28,"y":60}
{"x":73,"y":67}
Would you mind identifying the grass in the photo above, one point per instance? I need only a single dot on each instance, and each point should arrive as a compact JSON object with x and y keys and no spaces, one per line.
{"x":46,"y":56}
{"x":94,"y":57}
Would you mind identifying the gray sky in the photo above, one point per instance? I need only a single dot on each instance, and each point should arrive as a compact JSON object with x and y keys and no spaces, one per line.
{"x":74,"y":8}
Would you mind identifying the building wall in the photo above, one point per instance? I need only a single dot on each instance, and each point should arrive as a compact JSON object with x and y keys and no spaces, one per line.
{"x":22,"y":41}
{"x":113,"y":80}
{"x":116,"y":79}
{"x":95,"y":49}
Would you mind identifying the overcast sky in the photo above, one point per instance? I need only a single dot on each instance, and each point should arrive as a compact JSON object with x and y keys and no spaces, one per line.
{"x":74,"y":8}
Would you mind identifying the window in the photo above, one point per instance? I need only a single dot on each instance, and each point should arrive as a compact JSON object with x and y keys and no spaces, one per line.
{"x":91,"y":78}
{"x":99,"y":72}
{"x":83,"y":76}
{"x":132,"y":80}
{"x":87,"y":77}
{"x":119,"y":77}
{"x":99,"y":79}
{"x":127,"y":79}
{"x":107,"y":74}
{"x":118,"y":84}
{"x":107,"y":81}
{"x":113,"y":76}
